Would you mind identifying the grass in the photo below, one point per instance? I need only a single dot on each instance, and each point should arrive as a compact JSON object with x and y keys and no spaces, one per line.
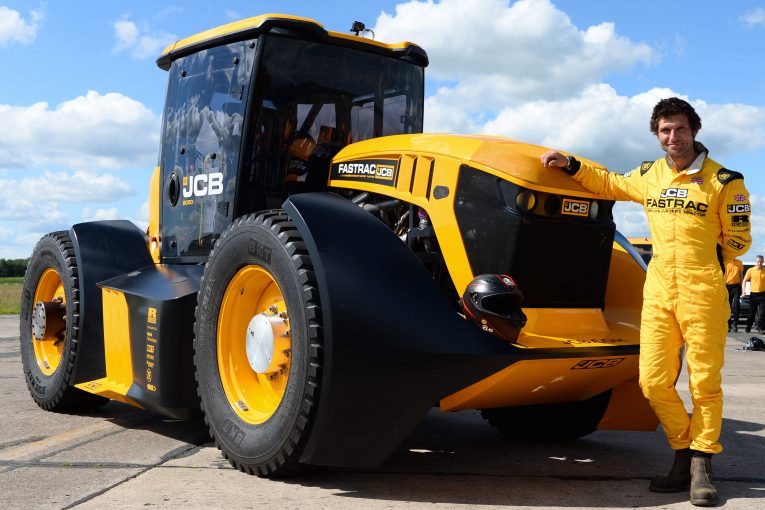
{"x":10,"y":295}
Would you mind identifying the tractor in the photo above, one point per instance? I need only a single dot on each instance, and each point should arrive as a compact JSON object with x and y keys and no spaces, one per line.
{"x":310,"y":253}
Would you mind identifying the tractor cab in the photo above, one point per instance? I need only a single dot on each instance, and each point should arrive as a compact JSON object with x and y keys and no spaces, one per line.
{"x":255,"y":112}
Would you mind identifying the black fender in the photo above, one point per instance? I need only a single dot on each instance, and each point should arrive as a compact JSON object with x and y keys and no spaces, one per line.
{"x":393,"y":346}
{"x":103,"y":249}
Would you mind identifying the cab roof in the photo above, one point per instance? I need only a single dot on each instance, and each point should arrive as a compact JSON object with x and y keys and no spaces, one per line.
{"x":285,"y":24}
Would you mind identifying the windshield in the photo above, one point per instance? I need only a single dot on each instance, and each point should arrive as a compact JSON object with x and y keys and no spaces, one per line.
{"x":313,"y":99}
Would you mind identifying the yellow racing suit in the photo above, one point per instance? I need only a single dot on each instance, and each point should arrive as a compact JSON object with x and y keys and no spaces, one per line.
{"x":699,"y":221}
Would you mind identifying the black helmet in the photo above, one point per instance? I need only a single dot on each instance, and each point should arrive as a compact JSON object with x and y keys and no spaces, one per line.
{"x":493,"y":301}
{"x":755,"y":344}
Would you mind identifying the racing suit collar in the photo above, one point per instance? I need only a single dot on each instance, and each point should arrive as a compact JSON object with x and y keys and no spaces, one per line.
{"x":699,"y":161}
{"x":697,"y":164}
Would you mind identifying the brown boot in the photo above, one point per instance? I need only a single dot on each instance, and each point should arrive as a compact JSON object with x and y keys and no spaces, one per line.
{"x":703,"y":492}
{"x":679,"y":477}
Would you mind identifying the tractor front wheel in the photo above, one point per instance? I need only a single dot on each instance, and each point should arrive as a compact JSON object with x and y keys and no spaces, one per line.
{"x":257,"y":346}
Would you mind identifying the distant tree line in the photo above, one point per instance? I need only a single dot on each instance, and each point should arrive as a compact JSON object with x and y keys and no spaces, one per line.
{"x":13,"y":267}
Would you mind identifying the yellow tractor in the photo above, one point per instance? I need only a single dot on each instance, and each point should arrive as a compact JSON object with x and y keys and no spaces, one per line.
{"x":317,"y":274}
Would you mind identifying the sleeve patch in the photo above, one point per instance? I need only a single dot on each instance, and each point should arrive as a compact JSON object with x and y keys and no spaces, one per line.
{"x":645,"y":166}
{"x":725,"y":176}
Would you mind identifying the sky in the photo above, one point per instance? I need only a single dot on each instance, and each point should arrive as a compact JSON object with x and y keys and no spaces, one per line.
{"x":81,"y":97}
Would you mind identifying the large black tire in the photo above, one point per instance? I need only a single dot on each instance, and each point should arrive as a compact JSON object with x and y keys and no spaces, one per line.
{"x":549,"y":422}
{"x":51,"y":379}
{"x":271,"y":444}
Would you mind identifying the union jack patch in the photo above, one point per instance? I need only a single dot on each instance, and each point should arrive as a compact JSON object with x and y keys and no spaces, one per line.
{"x":739,"y":198}
{"x":697,"y":180}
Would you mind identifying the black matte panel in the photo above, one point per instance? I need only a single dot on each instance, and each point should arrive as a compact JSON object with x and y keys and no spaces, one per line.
{"x":104,"y":249}
{"x":161,"y":302}
{"x":557,"y":260}
{"x":393,"y":345}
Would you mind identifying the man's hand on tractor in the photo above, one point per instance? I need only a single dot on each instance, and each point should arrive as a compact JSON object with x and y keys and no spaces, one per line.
{"x":554,"y":159}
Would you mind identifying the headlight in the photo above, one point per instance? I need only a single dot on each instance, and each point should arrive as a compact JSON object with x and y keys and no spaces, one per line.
{"x":593,"y":209}
{"x":526,"y":200}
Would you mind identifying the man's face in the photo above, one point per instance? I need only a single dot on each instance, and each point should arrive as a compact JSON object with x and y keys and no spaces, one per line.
{"x":758,"y":262}
{"x":675,"y":136}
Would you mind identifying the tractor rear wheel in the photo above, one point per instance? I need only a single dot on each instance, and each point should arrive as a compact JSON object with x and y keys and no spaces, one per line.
{"x":50,"y":323}
{"x":549,"y":422}
{"x":258,"y":344}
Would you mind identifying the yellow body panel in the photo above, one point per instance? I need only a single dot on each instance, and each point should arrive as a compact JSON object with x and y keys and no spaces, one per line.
{"x":427,"y":161}
{"x":628,"y":409}
{"x":154,"y":200}
{"x":545,"y":381}
{"x":257,"y":21}
{"x":119,"y":366}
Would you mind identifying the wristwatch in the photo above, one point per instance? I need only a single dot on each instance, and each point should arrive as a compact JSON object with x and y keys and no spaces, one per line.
{"x":572,"y":165}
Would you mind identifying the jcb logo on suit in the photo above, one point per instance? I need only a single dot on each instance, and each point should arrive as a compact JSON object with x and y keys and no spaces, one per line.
{"x":738,"y":208}
{"x":674,"y":193}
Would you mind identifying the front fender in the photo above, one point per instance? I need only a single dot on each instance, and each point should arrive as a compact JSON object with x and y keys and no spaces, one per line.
{"x":104,"y":249}
{"x":393,"y":346}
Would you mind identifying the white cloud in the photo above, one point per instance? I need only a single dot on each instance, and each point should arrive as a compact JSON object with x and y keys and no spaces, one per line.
{"x":91,"y":131}
{"x":504,"y":53}
{"x":138,"y":41}
{"x":33,"y":205}
{"x":25,"y":195}
{"x":99,"y":214}
{"x":142,"y":219}
{"x":523,"y":70}
{"x":18,"y":244}
{"x":754,"y":17}
{"x":15,"y":29}
{"x":630,"y":219}
{"x":232,"y":15}
{"x":613,"y":130}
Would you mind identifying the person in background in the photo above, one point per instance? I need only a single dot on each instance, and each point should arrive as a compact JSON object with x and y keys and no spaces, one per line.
{"x":733,"y":273}
{"x":756,"y":278}
{"x":698,"y":213}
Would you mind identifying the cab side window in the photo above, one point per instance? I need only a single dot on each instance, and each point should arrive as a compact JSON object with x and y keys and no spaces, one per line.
{"x":202,"y":136}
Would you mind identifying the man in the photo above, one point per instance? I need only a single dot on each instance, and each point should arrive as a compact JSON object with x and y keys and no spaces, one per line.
{"x":756,"y":278}
{"x":698,"y":214}
{"x":733,"y":270}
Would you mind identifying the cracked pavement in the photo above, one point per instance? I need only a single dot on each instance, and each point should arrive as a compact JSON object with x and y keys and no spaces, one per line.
{"x":123,"y":457}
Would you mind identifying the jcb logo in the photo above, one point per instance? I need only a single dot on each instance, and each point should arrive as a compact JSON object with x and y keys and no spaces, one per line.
{"x":735,"y":245}
{"x":575,"y":207}
{"x":597,"y":363}
{"x":202,"y":185}
{"x":674,"y":193}
{"x":384,"y":172}
{"x":738,"y":208}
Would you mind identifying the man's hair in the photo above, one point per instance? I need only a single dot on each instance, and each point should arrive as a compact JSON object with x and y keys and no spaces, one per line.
{"x":760,"y":257}
{"x":674,"y":106}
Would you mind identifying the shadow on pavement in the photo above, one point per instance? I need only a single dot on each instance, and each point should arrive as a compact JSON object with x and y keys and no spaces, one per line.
{"x":458,"y":459}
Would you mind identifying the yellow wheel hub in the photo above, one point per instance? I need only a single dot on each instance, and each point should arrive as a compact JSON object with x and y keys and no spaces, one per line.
{"x":253,"y":344}
{"x":49,"y":321}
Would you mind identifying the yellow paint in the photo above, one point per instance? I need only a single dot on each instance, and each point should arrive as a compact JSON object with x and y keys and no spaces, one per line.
{"x":547,"y":381}
{"x":510,"y":160}
{"x":532,"y":381}
{"x":628,"y":409}
{"x":253,"y":396}
{"x":257,"y":21}
{"x":154,"y":201}
{"x":119,"y":365}
{"x":49,"y":349}
{"x":624,"y":293}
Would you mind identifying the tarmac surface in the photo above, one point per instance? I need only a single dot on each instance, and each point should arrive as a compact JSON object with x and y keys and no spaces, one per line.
{"x":122,"y":457}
